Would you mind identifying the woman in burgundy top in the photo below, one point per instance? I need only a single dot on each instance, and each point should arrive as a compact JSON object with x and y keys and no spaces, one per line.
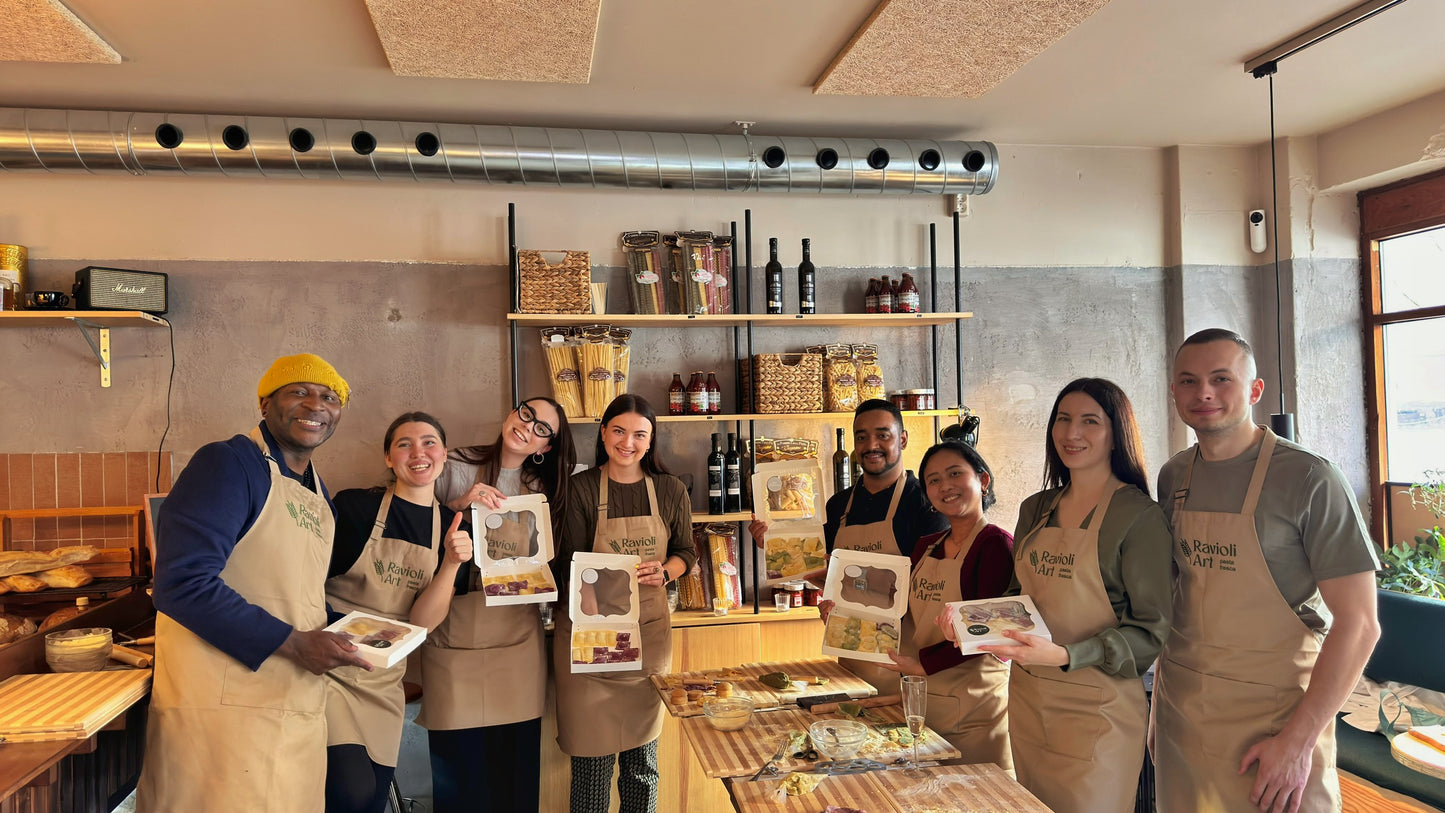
{"x":973,"y":559}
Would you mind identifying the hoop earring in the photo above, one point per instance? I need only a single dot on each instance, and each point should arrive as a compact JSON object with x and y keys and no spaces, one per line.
{"x":538,"y":458}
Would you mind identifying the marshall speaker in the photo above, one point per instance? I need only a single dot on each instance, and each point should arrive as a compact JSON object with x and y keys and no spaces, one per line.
{"x":116,"y":289}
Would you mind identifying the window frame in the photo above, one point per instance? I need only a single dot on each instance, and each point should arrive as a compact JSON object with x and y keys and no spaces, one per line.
{"x":1394,"y":210}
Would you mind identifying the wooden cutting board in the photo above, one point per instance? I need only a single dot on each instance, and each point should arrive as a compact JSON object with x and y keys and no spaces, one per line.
{"x":67,"y":706}
{"x":852,"y":790}
{"x":840,"y":680}
{"x":961,"y":788}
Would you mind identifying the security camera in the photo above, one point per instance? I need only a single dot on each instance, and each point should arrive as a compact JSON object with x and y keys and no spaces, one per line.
{"x":1256,"y":231}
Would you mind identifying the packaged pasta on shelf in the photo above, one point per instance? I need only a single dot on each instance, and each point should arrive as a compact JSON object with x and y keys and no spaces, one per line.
{"x":561,"y":352}
{"x":869,"y":592}
{"x":645,"y":286}
{"x":512,"y":550}
{"x":840,"y":379}
{"x":720,"y":292}
{"x":594,"y":363}
{"x":788,"y":491}
{"x":719,"y":541}
{"x":621,"y":359}
{"x":695,"y":271}
{"x":870,"y":373}
{"x":603,"y":599}
{"x":671,"y":255}
{"x":691,"y":593}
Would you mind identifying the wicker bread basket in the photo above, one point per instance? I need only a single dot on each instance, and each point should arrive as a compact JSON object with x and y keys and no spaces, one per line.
{"x":562,"y":288}
{"x":785,"y":382}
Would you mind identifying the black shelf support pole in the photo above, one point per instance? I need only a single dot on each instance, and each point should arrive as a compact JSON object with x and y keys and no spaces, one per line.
{"x":748,"y":258}
{"x":515,"y":284}
{"x":958,"y":305}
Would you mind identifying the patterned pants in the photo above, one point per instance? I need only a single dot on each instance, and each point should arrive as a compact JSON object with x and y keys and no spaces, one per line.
{"x":636,"y":783}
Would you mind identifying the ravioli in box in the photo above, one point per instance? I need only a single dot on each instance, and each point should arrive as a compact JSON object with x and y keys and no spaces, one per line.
{"x":606,"y":635}
{"x":788,"y":491}
{"x":382,"y":642}
{"x":869,"y":592}
{"x":983,"y":621}
{"x":794,"y":550}
{"x":512,"y":549}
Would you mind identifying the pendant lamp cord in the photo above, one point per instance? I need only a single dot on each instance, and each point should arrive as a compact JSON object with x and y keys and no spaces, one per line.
{"x":1274,"y":215}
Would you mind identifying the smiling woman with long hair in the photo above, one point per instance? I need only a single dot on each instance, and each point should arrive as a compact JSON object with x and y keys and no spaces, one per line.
{"x":1093,"y":551}
{"x":484,"y":670}
{"x":628,"y":504}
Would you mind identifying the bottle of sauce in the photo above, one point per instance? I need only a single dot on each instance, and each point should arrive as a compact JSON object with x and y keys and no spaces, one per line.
{"x":714,"y":395}
{"x":893,"y":295}
{"x":885,"y":295}
{"x":909,"y":300}
{"x":773,"y":274}
{"x":870,"y":299}
{"x":807,"y":283}
{"x":676,"y":396}
{"x":697,"y":394}
{"x":732,"y":476}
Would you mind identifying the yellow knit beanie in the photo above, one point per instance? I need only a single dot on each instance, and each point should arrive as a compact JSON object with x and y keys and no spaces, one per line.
{"x":304,"y":368}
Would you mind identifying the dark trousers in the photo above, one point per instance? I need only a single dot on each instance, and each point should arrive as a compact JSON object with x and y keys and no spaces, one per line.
{"x":355,"y":784}
{"x":496,"y":768}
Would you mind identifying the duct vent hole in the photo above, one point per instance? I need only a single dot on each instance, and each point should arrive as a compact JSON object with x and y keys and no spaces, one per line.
{"x":973,"y":161}
{"x":878,"y":158}
{"x":301,"y":139}
{"x":427,"y":144}
{"x":169,"y":136}
{"x":774,"y":157}
{"x":827,"y":158}
{"x":363,"y":143}
{"x":929,"y":160}
{"x":235,"y":137}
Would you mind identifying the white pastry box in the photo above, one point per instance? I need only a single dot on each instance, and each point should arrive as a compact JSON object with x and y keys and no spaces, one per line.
{"x":794,"y":550}
{"x":983,"y":621}
{"x":788,"y":496}
{"x":512,"y":548}
{"x":604,"y":604}
{"x":869,"y":592}
{"x":382,"y":642}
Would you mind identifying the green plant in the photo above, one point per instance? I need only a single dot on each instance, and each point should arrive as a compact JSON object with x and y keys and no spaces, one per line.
{"x":1417,"y":569}
{"x":1431,"y":493}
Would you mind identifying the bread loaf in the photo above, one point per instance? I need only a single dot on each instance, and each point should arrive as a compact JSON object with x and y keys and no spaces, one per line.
{"x":24,"y":561}
{"x":66,"y":576}
{"x":22,"y":583}
{"x":14,"y":627}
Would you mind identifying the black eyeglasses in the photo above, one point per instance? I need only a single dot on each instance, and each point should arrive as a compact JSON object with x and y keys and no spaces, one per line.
{"x":539,"y":427}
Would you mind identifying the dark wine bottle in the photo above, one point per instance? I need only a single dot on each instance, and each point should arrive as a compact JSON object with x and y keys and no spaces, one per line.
{"x":733,"y":476}
{"x":773,"y":273}
{"x":807,"y":284}
{"x":715,"y":464}
{"x":842,"y":467}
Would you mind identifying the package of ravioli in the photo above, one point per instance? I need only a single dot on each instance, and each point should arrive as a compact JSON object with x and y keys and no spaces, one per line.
{"x":512,"y":548}
{"x":788,"y":491}
{"x":603,"y":600}
{"x":793,"y":551}
{"x":869,"y":592}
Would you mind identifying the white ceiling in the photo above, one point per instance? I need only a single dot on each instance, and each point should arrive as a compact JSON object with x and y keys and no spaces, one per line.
{"x":1136,"y":73}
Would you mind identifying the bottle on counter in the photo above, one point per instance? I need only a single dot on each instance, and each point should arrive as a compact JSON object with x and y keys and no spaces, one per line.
{"x":807,"y":281}
{"x":842,"y":469}
{"x":716,"y":462}
{"x":697,"y":394}
{"x":909,"y":300}
{"x":732,"y":476}
{"x":870,"y":298}
{"x":676,"y":396}
{"x":885,"y":295}
{"x":856,"y":465}
{"x":773,"y":274}
{"x":714,"y":394}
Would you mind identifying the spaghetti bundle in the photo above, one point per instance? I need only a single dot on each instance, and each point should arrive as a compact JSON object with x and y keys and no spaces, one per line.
{"x":644,"y":280}
{"x":594,"y":356}
{"x":621,"y":359}
{"x":694,"y":273}
{"x":562,"y":370}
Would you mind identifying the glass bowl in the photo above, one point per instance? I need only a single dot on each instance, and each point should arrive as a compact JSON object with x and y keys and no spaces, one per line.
{"x":78,"y":650}
{"x":838,"y":739}
{"x":728,"y":713}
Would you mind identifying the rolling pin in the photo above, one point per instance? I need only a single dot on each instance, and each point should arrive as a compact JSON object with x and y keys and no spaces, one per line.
{"x":866,"y":702}
{"x":129,"y":656}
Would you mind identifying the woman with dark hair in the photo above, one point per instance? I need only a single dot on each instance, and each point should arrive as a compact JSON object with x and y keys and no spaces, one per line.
{"x":484,"y":670}
{"x":628,"y":504}
{"x":1093,"y":551}
{"x":973,"y":559}
{"x":396,"y":551}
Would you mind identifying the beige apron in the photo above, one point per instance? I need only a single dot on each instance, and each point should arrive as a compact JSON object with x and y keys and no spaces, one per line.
{"x":601,"y":713}
{"x":1235,"y":665}
{"x":221,"y":737}
{"x":1077,"y":736}
{"x":485,"y":666}
{"x":367,"y":708}
{"x":968,"y":703}
{"x":876,"y":537}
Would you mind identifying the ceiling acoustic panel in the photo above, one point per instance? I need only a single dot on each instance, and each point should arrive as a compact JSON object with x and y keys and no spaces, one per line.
{"x":535,"y":41}
{"x":47,"y":31}
{"x":948,"y":48}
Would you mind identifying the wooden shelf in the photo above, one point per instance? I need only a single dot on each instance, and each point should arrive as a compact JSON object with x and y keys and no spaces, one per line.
{"x":779,"y":416}
{"x":734,"y":516}
{"x":63,"y":318}
{"x":738,"y":319}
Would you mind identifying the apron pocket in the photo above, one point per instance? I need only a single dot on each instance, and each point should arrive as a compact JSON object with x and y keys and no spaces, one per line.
{"x":278,"y":684}
{"x":1240,"y":713}
{"x":1067,"y":713}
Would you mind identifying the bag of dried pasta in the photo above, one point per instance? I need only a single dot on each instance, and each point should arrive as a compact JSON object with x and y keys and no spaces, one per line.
{"x":691,"y":594}
{"x":720,"y":292}
{"x":561,"y":352}
{"x":695,"y":270}
{"x":722,"y":553}
{"x":840,"y":379}
{"x":870,"y":373}
{"x":594,"y":363}
{"x":621,"y":359}
{"x":645,"y":287}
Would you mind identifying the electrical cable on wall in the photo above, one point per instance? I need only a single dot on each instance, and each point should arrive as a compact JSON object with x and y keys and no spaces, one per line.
{"x":170,"y":382}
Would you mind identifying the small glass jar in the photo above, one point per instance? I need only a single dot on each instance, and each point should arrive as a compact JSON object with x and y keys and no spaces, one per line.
{"x":720,"y":606}
{"x":795,"y":592}
{"x":811,"y":595}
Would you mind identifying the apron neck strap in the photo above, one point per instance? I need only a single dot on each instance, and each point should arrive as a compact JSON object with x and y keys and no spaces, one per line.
{"x":602,"y":496}
{"x":1261,"y":465}
{"x":1096,"y":517}
{"x":892,"y":503}
{"x":378,"y":526}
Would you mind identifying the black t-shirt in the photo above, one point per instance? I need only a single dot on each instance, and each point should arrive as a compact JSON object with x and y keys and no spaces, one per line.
{"x":913,"y":519}
{"x":356,"y":517}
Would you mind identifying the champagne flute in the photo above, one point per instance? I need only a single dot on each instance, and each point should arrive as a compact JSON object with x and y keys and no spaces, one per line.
{"x":914,"y":689}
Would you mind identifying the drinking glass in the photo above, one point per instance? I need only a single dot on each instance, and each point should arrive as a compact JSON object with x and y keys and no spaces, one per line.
{"x":914,"y":689}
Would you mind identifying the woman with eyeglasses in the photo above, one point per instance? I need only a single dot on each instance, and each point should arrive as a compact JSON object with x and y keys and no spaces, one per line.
{"x":628,"y":504}
{"x":484,"y":669}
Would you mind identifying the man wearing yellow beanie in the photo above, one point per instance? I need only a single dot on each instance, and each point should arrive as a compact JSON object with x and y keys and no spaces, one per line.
{"x":237,"y":718}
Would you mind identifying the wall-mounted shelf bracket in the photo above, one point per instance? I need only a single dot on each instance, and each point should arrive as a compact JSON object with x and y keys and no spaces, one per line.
{"x":99,"y":345}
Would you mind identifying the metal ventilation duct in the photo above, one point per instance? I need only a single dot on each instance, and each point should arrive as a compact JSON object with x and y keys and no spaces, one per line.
{"x":249,"y":146}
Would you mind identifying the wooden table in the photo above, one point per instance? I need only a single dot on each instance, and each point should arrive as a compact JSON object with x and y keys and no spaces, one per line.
{"x":840,"y":680}
{"x":957,"y":788}
{"x":742,"y":753}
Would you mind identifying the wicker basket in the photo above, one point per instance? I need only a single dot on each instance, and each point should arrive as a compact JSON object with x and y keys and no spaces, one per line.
{"x":561,"y":288}
{"x":785,"y":382}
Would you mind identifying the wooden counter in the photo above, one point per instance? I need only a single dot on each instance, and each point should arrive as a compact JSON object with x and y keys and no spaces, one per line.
{"x":964,"y":788}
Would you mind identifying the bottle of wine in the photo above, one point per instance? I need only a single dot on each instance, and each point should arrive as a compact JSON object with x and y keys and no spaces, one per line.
{"x":697,"y":394}
{"x":773,"y":273}
{"x":676,"y":396}
{"x":714,"y":395}
{"x":842,"y":468}
{"x":807,"y":284}
{"x":732,"y":476}
{"x":856,"y":465}
{"x":715,"y":465}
